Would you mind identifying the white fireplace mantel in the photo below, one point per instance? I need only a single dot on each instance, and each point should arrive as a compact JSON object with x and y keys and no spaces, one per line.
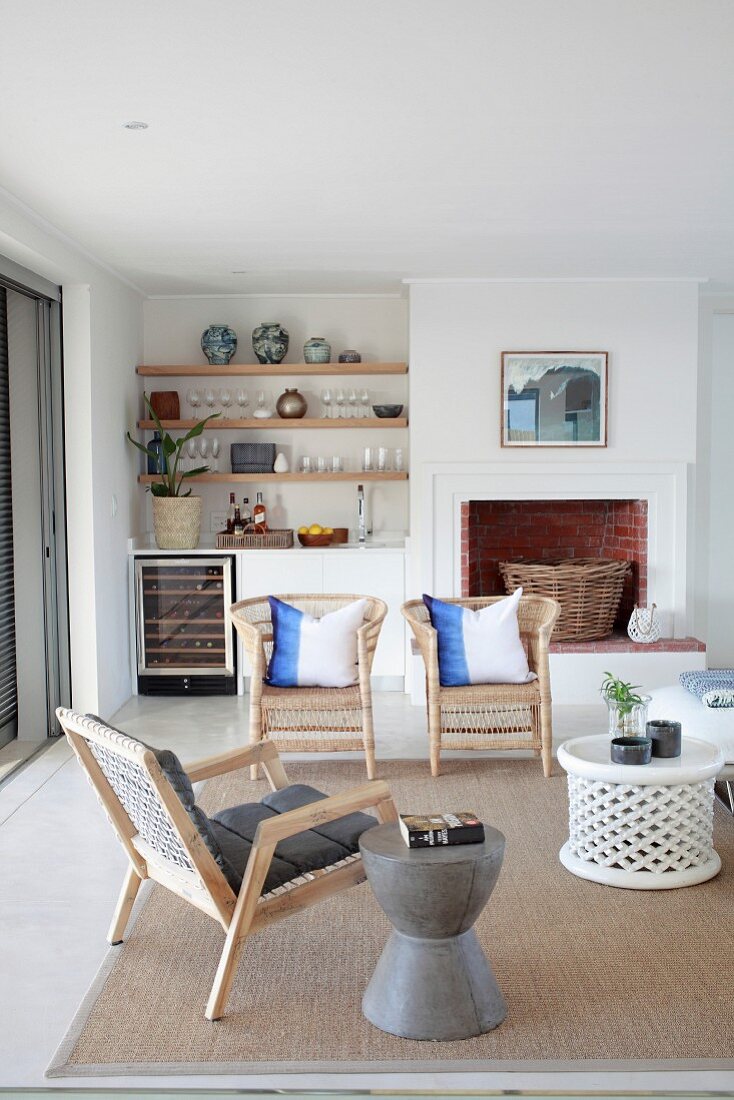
{"x":446,"y":486}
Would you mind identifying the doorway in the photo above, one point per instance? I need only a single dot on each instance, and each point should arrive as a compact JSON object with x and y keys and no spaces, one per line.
{"x":34,"y":648}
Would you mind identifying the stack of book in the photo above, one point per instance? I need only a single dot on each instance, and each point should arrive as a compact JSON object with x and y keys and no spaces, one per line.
{"x":432,"y":830}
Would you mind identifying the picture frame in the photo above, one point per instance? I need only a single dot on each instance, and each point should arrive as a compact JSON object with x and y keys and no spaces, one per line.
{"x":554,"y":399}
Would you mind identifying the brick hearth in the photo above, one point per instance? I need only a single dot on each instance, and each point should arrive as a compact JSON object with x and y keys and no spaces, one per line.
{"x":495,"y":530}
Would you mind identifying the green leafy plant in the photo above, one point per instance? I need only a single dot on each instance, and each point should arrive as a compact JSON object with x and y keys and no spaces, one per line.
{"x":171,"y":480}
{"x":621,"y":698}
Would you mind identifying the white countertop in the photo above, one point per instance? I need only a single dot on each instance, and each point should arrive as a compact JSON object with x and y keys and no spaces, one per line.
{"x":145,"y":544}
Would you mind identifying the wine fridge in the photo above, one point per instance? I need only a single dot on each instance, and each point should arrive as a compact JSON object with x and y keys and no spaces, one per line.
{"x":185,"y":641}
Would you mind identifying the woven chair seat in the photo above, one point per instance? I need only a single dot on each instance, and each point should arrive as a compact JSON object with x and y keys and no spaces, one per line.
{"x":511,"y":695}
{"x":310,"y":699}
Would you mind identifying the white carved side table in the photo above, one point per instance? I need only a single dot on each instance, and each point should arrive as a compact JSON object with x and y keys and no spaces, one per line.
{"x":647,"y":827}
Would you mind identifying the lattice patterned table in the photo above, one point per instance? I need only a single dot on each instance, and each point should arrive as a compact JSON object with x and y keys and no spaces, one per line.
{"x":645,"y":827}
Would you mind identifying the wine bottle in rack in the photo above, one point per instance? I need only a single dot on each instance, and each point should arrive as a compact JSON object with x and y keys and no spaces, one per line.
{"x":230,"y":515}
{"x":259,"y":512}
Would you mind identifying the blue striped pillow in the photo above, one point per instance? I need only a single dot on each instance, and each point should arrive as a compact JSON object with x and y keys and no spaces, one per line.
{"x":309,"y":652}
{"x":479,"y":647}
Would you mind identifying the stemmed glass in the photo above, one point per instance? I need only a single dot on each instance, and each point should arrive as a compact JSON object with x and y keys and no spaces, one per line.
{"x":210,"y":399}
{"x":225,"y":400}
{"x":204,"y":450}
{"x":340,"y":398}
{"x":353,"y":411}
{"x":215,"y":454}
{"x":364,"y":397}
{"x":243,"y":401}
{"x":191,"y":448}
{"x":262,"y":406}
{"x":326,"y":399}
{"x":194,"y":399}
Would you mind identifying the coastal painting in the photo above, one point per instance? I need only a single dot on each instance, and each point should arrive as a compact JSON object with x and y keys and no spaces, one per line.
{"x":554,"y":398}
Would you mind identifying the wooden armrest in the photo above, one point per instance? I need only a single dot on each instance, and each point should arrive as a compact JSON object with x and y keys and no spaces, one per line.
{"x":301,"y":820}
{"x":232,"y":760}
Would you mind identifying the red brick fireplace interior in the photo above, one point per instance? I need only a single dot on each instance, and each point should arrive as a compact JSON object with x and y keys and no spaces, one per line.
{"x":496,"y":530}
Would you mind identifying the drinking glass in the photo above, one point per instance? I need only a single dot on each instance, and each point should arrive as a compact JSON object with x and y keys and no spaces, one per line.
{"x":398,"y":460}
{"x":262,"y":404}
{"x":243,"y":400}
{"x":340,"y":398}
{"x":352,"y":411}
{"x":191,"y":448}
{"x":225,"y":399}
{"x":204,"y":449}
{"x":364,"y":397}
{"x":326,"y":398}
{"x":210,"y":399}
{"x":336,"y":464}
{"x":194,"y":399}
{"x":305,"y":465}
{"x":215,"y":454}
{"x":321,"y":465}
{"x":382,"y":458}
{"x":367,"y":458}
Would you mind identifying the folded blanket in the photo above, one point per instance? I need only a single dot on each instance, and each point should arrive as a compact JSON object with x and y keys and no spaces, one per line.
{"x":713,"y":686}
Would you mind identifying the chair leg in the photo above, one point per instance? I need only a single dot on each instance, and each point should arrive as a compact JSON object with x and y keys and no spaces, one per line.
{"x":368,"y":736}
{"x":434,"y":735}
{"x":244,"y":911}
{"x":256,"y":732}
{"x":125,"y":902}
{"x":546,"y":739}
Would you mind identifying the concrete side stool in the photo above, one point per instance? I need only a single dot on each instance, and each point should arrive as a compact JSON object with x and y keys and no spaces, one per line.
{"x":432,"y":980}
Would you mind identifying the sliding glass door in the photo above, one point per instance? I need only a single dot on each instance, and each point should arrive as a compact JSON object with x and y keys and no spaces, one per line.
{"x":8,"y":677}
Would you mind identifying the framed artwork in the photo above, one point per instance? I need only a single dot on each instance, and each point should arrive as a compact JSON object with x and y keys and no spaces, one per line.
{"x":554,"y":398}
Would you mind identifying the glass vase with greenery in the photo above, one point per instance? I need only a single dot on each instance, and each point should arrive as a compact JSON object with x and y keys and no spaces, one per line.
{"x":171,"y":476}
{"x":627,"y":709}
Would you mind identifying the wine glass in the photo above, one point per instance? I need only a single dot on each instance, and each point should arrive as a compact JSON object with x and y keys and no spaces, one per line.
{"x":194,"y":399}
{"x":326,"y":398}
{"x":340,"y":398}
{"x":352,"y":399}
{"x":191,"y":448}
{"x":242,"y":400}
{"x":204,"y":450}
{"x":225,"y":399}
{"x":215,"y":454}
{"x":364,"y":397}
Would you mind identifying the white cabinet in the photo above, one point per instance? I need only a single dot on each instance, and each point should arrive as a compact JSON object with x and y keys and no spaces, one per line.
{"x":363,"y":572}
{"x":379,"y":574}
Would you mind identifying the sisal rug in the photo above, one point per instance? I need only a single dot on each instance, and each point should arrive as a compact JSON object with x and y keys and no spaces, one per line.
{"x":594,"y":977}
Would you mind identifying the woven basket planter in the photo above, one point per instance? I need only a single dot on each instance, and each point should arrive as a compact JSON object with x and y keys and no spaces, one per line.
{"x":177,"y":522}
{"x":588,"y":590}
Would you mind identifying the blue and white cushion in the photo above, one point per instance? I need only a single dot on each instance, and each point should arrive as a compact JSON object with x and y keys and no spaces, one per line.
{"x":309,"y":652}
{"x":479,"y":647}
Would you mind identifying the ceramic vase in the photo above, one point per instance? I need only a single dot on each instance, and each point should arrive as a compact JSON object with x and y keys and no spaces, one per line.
{"x":350,"y":356}
{"x":270,"y":342}
{"x":219,"y":343}
{"x":316,"y":350}
{"x":291,"y":405}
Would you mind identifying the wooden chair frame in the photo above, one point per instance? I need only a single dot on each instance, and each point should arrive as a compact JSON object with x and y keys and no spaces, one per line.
{"x":204,"y":885}
{"x":251,"y":618}
{"x":536,"y":617}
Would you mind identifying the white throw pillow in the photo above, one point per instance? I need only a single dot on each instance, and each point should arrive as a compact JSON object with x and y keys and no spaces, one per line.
{"x":479,"y":647}
{"x":309,"y":652}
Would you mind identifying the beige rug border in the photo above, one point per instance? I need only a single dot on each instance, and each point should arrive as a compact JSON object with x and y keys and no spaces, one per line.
{"x":59,"y":1064}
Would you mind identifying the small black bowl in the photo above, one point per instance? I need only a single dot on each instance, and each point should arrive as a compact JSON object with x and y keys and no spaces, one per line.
{"x":387,"y":411}
{"x":631,"y":750}
{"x":666,"y":737}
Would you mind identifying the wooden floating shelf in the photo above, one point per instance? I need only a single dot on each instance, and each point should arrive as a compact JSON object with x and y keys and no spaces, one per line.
{"x":284,"y":423}
{"x":265,"y":369}
{"x":345,"y":475}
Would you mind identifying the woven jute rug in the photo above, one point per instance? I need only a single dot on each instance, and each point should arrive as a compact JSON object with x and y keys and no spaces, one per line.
{"x":594,"y":977}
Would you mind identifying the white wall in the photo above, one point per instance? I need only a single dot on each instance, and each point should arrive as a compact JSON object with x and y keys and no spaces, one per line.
{"x":459,"y":330}
{"x":376,"y":326}
{"x":102,"y":343}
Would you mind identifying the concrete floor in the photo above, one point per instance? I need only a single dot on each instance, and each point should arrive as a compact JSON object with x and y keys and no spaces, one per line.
{"x":61,"y":872}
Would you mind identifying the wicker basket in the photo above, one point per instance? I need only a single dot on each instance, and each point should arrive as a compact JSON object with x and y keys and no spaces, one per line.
{"x":269,"y":540}
{"x":177,"y":522}
{"x":588,"y":590}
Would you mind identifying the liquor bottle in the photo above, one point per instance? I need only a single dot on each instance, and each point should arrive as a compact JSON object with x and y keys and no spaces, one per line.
{"x":246,"y":513}
{"x":230,"y":515}
{"x":157,"y":464}
{"x":238,"y":525}
{"x":259,"y":512}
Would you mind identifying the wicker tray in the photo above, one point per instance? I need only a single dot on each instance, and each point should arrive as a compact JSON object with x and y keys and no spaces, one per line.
{"x":271,"y":540}
{"x":588,"y":590}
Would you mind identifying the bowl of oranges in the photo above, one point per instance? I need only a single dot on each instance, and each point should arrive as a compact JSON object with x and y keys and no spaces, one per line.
{"x":315,"y":535}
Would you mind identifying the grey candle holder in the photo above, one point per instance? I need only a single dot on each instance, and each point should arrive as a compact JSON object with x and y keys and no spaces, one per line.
{"x":666,"y":736}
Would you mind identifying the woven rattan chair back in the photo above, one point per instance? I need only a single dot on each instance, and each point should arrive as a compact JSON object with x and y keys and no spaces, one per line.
{"x":310,"y":719}
{"x":500,"y":716}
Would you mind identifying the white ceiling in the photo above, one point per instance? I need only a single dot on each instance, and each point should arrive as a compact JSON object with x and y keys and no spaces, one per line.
{"x":346,"y":144}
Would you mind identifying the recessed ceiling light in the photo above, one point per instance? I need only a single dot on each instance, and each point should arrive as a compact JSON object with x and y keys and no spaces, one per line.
{"x":135,"y":125}
{"x":240,"y":273}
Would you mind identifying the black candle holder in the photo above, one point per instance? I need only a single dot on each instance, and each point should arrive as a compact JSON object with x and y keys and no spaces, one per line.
{"x":631,"y":750}
{"x":666,"y":737}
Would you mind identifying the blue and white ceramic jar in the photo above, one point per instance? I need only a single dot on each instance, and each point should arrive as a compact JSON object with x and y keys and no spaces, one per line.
{"x":219,"y":343}
{"x":270,"y":342}
{"x":316,"y":350}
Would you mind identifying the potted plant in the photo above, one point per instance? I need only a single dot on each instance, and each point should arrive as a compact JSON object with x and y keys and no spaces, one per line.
{"x":176,"y":514}
{"x":627,"y":720}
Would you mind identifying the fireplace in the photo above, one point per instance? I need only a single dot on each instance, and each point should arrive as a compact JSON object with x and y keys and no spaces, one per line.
{"x":496,"y":530}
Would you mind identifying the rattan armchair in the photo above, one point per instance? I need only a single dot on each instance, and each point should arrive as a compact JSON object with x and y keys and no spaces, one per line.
{"x":310,"y":719}
{"x":490,"y":716}
{"x":149,"y":802}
